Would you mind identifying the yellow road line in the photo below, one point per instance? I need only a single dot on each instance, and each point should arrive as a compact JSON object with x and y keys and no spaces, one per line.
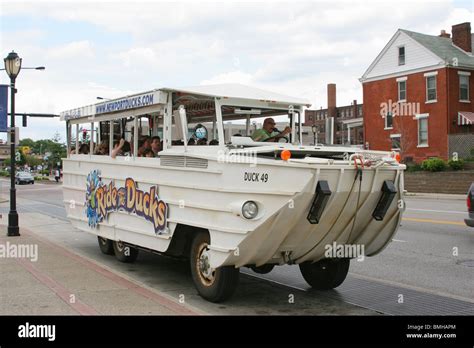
{"x":440,"y":222}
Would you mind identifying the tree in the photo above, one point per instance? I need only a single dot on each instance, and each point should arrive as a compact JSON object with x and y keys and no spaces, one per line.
{"x":33,"y":161}
{"x":54,"y":147}
{"x":404,"y":126}
{"x":27,"y":142}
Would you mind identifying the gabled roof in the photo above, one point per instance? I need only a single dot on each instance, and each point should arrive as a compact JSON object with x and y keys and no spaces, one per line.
{"x":443,"y":47}
{"x":235,"y":90}
{"x":440,"y":47}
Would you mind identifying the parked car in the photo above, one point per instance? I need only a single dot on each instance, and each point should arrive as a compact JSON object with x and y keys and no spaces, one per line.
{"x":470,"y":206}
{"x":24,"y":177}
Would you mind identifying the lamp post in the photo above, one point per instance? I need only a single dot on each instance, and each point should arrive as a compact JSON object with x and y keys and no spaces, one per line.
{"x":13,"y":67}
{"x":313,"y":128}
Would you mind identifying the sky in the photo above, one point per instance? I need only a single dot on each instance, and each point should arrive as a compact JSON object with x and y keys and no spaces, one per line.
{"x":114,"y":48}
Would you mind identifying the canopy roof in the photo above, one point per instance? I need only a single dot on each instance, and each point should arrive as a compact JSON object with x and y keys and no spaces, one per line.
{"x":235,"y":90}
{"x":187,"y":96}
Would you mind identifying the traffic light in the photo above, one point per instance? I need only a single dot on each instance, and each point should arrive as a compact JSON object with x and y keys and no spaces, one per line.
{"x":24,"y":120}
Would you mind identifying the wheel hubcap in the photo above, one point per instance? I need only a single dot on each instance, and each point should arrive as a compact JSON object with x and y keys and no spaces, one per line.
{"x":205,"y":271}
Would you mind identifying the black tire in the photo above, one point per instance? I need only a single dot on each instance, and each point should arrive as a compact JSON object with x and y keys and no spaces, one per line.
{"x":263,"y":269}
{"x":219,"y":284}
{"x":125,"y":253}
{"x":106,"y":245}
{"x":325,"y":274}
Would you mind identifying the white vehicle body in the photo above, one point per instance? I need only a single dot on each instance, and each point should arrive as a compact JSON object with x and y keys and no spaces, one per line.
{"x":205,"y":187}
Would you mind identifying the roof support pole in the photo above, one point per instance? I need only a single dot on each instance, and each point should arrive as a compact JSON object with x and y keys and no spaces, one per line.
{"x":220,"y":125}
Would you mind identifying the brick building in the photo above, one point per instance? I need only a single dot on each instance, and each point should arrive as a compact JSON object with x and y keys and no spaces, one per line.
{"x":418,"y":95}
{"x":336,"y":124}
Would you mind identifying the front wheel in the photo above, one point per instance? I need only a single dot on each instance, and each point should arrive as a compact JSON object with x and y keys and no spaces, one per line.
{"x":106,"y":245}
{"x":325,"y":274}
{"x":125,"y":253}
{"x":215,"y":285}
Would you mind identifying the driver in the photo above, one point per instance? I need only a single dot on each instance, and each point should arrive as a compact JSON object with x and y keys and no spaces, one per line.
{"x":269,"y":132}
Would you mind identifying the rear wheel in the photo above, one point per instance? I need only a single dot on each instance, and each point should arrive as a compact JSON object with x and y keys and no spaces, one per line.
{"x":106,"y":245}
{"x":215,"y":285}
{"x":125,"y":253}
{"x":325,"y":274}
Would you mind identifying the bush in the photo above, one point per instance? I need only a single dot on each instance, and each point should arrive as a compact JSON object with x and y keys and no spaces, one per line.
{"x":456,"y":165}
{"x":433,"y":165}
{"x":413,"y":167}
{"x":44,"y":172}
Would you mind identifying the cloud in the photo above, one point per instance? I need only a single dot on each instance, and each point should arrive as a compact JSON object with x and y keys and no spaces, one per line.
{"x":83,"y":49}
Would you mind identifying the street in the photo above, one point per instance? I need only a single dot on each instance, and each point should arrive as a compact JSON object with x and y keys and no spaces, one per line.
{"x":427,"y":269}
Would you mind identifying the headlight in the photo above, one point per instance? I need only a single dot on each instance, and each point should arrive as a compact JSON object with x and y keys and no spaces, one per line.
{"x":249,"y":210}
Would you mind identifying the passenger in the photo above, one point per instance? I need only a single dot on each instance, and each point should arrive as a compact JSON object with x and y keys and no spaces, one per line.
{"x":202,"y":141}
{"x":156,"y":145}
{"x":73,"y":150}
{"x":103,"y":148}
{"x":148,"y":153}
{"x":143,"y":144}
{"x":121,"y":148}
{"x":214,"y":142}
{"x":84,"y":149}
{"x":191,"y":141}
{"x":268,"y":132}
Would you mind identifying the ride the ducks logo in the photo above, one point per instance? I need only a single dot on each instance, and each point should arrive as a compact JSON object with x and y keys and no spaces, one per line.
{"x":101,"y":199}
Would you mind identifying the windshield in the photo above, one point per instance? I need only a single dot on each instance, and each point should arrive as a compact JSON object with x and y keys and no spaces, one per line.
{"x":197,"y":119}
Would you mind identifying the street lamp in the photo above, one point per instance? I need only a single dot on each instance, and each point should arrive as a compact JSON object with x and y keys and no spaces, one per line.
{"x":313,"y":128}
{"x":13,"y":67}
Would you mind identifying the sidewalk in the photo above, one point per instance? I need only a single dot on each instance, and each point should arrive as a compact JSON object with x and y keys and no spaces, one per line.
{"x":55,"y":280}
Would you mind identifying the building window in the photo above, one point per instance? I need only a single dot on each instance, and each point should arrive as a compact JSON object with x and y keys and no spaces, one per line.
{"x":396,"y":141}
{"x":464,"y":87}
{"x":388,"y":120}
{"x":423,"y":131}
{"x":401,"y":55}
{"x":402,"y":90}
{"x":431,"y":88}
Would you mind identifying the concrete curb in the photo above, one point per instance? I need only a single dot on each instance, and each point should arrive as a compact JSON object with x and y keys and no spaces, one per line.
{"x":456,"y":197}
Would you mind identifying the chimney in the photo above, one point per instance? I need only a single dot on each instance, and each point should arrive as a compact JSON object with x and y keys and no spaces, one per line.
{"x":332,"y":100}
{"x":354,"y":109}
{"x":444,"y":34}
{"x":462,"y":36}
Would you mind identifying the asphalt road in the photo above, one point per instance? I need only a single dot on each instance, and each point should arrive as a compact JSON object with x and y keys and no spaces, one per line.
{"x":432,"y":253}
